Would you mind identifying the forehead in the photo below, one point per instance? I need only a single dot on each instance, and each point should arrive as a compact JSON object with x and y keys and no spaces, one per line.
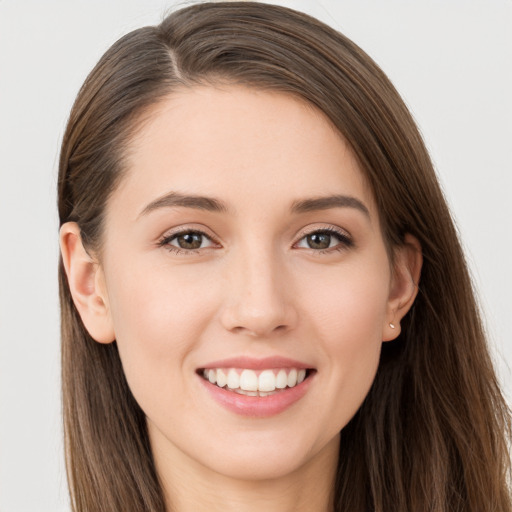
{"x":240,"y":143}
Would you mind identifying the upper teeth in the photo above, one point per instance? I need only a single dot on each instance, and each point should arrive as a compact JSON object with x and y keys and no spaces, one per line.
{"x":249,"y":380}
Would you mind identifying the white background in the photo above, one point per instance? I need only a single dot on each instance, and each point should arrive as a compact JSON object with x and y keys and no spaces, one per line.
{"x":452,"y":62}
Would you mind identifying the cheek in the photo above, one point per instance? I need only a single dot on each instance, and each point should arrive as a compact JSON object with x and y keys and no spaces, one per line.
{"x":159,"y":317}
{"x":156,"y":305}
{"x":348,"y":317}
{"x":349,"y":304}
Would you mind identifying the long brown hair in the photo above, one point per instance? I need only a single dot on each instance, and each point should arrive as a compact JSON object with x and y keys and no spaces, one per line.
{"x":433,"y":432}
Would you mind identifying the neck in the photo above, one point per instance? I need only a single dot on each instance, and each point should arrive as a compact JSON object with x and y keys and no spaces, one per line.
{"x":191,"y":487}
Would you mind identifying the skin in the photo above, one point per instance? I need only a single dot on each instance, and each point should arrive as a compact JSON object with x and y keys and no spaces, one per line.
{"x":255,"y":287}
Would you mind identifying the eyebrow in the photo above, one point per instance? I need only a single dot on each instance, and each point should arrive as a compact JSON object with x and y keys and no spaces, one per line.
{"x":173,"y":199}
{"x":328,"y":202}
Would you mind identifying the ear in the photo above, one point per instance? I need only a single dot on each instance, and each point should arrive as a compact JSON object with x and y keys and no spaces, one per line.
{"x":404,"y":285}
{"x":86,"y":284}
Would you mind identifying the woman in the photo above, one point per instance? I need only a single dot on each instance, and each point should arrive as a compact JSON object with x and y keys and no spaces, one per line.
{"x":247,"y":213}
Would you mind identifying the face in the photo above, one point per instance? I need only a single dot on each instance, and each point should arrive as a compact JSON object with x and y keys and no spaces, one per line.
{"x":246,"y":280}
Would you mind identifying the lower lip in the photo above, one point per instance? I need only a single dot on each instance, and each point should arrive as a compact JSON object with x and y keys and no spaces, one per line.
{"x":258,"y":406}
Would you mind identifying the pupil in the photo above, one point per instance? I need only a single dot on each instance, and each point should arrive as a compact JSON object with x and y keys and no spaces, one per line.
{"x":190,"y":241}
{"x":319,"y":241}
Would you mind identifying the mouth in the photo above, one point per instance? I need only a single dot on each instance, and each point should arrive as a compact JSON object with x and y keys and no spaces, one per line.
{"x":255,"y":383}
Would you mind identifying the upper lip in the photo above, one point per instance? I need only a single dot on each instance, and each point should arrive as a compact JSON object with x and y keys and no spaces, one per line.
{"x":252,"y":363}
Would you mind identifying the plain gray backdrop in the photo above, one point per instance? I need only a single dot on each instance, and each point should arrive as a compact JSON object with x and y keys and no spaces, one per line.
{"x":451,"y":61}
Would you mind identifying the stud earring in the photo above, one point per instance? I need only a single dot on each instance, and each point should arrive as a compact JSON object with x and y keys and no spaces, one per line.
{"x":392,"y":325}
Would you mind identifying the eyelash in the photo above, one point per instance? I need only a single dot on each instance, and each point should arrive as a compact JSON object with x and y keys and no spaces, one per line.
{"x":345,"y":241}
{"x":166,"y":241}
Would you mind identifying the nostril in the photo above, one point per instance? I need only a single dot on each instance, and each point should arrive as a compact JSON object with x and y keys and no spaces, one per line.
{"x":257,"y":330}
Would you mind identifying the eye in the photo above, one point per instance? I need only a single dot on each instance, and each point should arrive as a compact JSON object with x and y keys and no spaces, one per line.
{"x":325,"y":239}
{"x":187,"y":241}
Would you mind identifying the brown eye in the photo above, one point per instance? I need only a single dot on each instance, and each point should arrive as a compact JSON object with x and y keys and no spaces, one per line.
{"x":324,"y":239}
{"x":187,"y":241}
{"x":319,"y":240}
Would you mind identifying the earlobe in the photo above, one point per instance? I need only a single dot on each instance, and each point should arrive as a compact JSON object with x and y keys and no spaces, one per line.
{"x":86,"y":284}
{"x":404,"y":285}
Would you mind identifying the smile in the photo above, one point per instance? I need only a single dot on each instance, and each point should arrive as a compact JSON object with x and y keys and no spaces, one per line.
{"x":255,"y":382}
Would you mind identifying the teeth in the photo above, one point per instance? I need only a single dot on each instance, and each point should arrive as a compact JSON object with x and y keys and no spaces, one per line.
{"x":267,"y":381}
{"x":248,"y":382}
{"x":233,"y":379}
{"x":292,"y":378}
{"x":282,"y":379}
{"x":222,"y":378}
{"x":246,"y":393}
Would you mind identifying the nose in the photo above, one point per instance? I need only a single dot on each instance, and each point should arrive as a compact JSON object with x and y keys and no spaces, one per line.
{"x":259,"y":297}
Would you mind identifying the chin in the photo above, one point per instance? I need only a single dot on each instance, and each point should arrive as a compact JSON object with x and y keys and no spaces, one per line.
{"x":256,"y":469}
{"x":260,"y":460}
